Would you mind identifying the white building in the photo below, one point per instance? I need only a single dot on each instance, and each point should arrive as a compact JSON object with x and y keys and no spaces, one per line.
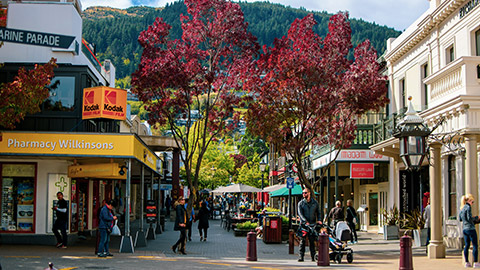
{"x":436,"y":62}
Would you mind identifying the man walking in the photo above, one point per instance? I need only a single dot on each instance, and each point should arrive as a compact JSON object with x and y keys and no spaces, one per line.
{"x":336,"y":214}
{"x":61,"y":223}
{"x":309,"y":212}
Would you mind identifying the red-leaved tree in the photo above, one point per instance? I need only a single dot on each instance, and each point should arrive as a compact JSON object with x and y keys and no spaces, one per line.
{"x":192,"y":84}
{"x":310,"y":94}
{"x":25,"y":93}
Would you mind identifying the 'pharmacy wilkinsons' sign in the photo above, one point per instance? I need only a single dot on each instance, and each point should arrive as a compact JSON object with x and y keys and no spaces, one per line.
{"x":35,"y":38}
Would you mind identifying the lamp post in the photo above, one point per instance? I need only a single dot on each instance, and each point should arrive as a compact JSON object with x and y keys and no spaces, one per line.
{"x":413,"y":134}
{"x":262,"y":166}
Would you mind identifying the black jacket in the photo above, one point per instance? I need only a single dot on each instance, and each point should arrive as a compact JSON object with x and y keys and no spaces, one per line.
{"x":351,"y":213}
{"x":309,"y":211}
{"x":202,"y":217}
{"x":181,"y":217}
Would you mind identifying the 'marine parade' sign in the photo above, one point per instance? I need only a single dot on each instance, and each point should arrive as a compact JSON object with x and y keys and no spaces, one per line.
{"x":35,"y":38}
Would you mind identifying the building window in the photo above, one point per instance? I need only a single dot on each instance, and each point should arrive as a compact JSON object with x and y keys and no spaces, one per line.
{"x":62,"y":94}
{"x":450,"y":54}
{"x":403,"y":94}
{"x":477,"y":42}
{"x":452,"y":187}
{"x":425,"y":86}
{"x":17,"y":200}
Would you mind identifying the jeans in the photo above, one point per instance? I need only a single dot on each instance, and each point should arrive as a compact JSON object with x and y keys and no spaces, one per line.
{"x":353,"y":232}
{"x":62,"y":226}
{"x":104,"y":240}
{"x":181,"y":241}
{"x":470,"y":236}
{"x":312,"y":243}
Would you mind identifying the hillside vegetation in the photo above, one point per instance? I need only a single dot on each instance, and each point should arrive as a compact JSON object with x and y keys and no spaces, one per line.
{"x":115,"y":31}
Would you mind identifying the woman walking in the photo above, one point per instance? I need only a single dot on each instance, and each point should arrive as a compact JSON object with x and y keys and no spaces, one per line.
{"x":351,"y":219}
{"x":180,"y":225}
{"x":202,"y":217}
{"x":469,"y":233}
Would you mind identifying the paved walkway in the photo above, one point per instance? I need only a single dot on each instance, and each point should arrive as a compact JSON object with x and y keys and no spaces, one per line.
{"x":222,"y":247}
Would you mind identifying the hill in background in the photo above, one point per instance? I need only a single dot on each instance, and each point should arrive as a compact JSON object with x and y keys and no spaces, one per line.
{"x":115,"y":31}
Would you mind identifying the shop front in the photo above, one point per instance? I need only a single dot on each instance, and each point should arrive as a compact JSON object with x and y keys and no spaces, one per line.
{"x":359,"y":175}
{"x":86,"y":168}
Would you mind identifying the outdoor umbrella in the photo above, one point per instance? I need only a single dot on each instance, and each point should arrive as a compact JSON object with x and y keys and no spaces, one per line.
{"x":218,"y":190}
{"x":240,"y":188}
{"x":283,"y":192}
{"x":274,"y":187}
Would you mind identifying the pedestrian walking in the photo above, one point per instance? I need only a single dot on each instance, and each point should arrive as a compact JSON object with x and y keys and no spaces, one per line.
{"x":309,"y":212}
{"x":202,"y":218}
{"x":469,"y":232}
{"x":61,"y":223}
{"x":352,"y":220}
{"x":168,"y":205}
{"x":336,"y":214}
{"x":426,"y":217}
{"x":180,"y":225}
{"x":190,"y":220}
{"x":105,"y":227}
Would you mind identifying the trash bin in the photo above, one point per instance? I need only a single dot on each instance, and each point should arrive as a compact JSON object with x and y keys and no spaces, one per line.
{"x":272,"y":229}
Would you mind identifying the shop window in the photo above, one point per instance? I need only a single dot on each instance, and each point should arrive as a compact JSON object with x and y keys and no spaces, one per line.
{"x":17,"y":201}
{"x":452,"y":187}
{"x":62,"y":94}
{"x":477,"y":50}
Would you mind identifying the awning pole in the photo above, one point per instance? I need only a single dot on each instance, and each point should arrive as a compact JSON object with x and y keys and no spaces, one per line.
{"x":126,"y":245}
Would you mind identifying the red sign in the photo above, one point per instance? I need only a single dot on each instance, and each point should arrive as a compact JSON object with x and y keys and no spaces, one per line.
{"x":362,"y":170}
{"x":274,"y":224}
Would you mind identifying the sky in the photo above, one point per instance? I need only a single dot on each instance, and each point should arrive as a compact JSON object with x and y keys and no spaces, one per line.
{"x":398,"y":14}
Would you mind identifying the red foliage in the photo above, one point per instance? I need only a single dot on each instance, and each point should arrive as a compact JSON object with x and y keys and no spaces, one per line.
{"x":239,"y":160}
{"x":24,"y":95}
{"x":203,"y":71}
{"x":309,"y":91}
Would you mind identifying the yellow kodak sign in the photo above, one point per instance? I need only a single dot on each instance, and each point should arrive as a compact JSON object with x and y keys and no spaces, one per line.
{"x":104,"y":102}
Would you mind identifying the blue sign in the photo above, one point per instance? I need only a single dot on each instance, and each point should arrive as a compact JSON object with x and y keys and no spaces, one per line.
{"x":290,"y":183}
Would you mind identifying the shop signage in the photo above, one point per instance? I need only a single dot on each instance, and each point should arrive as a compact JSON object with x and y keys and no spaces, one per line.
{"x":405,"y":190}
{"x":104,"y":102}
{"x":166,"y":187}
{"x":103,"y":170}
{"x":348,"y":156}
{"x":469,"y":6}
{"x":35,"y":38}
{"x":362,"y":170}
{"x":78,"y":144}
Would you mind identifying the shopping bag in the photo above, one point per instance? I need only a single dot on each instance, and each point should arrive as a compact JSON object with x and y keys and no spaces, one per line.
{"x":116,"y":229}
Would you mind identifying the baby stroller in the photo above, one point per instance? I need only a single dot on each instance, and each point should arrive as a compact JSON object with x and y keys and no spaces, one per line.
{"x":338,"y":242}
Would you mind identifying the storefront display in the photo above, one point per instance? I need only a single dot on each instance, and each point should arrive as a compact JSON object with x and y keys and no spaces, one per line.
{"x":17,"y":200}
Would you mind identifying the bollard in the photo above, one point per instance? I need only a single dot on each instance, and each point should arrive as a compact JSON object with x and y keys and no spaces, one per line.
{"x":406,"y":262}
{"x":323,"y":256}
{"x":291,"y":243}
{"x":251,"y":246}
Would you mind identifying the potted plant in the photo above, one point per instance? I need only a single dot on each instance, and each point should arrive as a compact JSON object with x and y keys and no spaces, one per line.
{"x":391,"y":219}
{"x":243,"y":228}
{"x":416,"y":222}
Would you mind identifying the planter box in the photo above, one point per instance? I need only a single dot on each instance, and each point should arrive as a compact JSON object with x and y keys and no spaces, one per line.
{"x":241,"y":232}
{"x":390,"y":232}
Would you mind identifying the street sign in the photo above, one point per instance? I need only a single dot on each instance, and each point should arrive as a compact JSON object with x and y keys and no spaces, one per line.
{"x":166,"y":186}
{"x":290,"y":183}
{"x":35,"y":38}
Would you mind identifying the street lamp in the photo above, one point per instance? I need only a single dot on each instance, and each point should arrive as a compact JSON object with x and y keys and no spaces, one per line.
{"x":263,"y":166}
{"x":412,"y":134}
